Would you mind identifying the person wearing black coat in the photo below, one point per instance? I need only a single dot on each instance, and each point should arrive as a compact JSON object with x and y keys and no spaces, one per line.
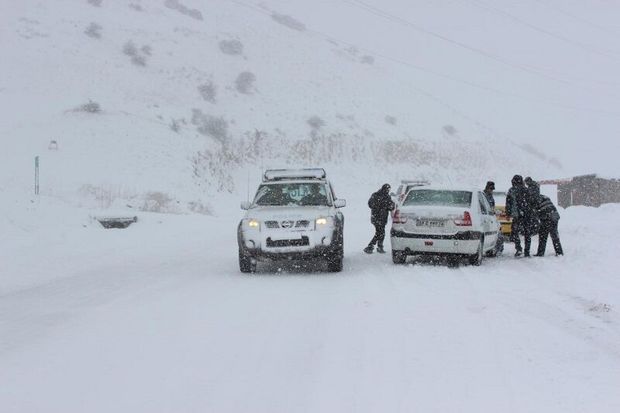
{"x":520,"y":208}
{"x":549,"y":217}
{"x":533,"y":191}
{"x":380,"y":204}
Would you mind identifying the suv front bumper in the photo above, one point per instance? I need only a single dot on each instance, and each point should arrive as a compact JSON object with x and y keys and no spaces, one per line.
{"x":288,"y":245}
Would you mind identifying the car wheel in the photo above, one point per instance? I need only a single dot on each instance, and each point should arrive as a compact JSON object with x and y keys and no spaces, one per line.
{"x":498,"y":249}
{"x":246,"y":264}
{"x":399,"y":257}
{"x":476,"y":259}
{"x":453,"y":262}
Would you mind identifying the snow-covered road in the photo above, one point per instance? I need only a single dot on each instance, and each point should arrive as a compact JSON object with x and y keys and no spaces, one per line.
{"x":157,"y":318}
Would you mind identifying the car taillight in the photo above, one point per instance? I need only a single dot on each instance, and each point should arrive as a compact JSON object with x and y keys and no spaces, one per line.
{"x":465,"y":221}
{"x":398,"y":218}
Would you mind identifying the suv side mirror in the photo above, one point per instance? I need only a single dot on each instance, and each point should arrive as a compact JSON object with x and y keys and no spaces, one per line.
{"x":340,"y":203}
{"x":245,"y":205}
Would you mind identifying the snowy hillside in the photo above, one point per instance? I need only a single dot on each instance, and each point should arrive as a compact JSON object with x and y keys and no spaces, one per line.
{"x":186,"y":98}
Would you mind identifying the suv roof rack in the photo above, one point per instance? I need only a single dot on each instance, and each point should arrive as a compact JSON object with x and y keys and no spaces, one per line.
{"x":284,"y":174}
{"x":421,"y":182}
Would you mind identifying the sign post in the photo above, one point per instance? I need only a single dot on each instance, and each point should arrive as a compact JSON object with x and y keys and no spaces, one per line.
{"x":36,"y":175}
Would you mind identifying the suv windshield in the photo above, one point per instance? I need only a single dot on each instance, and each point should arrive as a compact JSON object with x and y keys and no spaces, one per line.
{"x":300,"y":194}
{"x":438,"y":197}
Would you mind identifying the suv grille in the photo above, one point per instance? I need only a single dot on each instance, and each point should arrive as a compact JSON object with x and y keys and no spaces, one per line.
{"x":272,"y":224}
{"x":302,"y":224}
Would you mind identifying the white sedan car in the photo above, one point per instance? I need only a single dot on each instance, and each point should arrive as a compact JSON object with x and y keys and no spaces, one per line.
{"x":452,"y":222}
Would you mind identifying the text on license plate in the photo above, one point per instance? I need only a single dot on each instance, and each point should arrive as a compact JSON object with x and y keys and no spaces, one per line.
{"x":433,"y":223}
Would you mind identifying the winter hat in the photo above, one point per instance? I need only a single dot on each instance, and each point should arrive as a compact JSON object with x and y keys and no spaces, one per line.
{"x":517,"y":180}
{"x":386,"y":188}
{"x":529,"y":180}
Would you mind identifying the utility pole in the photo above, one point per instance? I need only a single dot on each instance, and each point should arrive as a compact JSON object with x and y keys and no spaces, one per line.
{"x":36,"y":175}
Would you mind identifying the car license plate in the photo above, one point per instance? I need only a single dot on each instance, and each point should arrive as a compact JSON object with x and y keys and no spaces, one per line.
{"x":431,"y":223}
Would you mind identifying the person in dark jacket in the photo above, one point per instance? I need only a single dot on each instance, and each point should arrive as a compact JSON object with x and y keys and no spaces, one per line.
{"x":488,"y":193}
{"x":549,"y":217}
{"x":519,"y":207}
{"x":380,"y":204}
{"x":315,"y":197}
{"x":533,"y":191}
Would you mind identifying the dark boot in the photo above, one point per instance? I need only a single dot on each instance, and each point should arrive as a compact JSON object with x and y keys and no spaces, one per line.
{"x":380,"y":249}
{"x":369,"y":249}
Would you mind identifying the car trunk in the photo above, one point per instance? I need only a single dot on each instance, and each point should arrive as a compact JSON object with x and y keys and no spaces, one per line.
{"x":440,"y":220}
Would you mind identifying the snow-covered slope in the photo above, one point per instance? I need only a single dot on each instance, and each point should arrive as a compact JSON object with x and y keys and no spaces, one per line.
{"x":172,"y":96}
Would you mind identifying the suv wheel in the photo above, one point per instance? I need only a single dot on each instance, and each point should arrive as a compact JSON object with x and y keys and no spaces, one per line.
{"x":246,"y":264}
{"x":334,"y":262}
{"x":399,"y":257}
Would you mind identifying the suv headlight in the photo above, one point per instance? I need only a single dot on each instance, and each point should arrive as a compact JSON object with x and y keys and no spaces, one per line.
{"x":324,"y":221}
{"x":252,"y":223}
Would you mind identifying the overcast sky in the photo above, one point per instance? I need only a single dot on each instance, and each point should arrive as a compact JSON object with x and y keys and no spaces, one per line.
{"x":542,"y":72}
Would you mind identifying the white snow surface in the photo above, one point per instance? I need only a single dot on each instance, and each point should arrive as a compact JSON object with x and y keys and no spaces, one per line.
{"x":157,"y":318}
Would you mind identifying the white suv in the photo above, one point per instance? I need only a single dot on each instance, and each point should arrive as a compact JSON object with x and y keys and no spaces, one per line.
{"x":453,"y":222}
{"x":295,"y":215}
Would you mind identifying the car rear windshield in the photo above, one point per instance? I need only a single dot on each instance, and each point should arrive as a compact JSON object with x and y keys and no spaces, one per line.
{"x":438,"y":197}
{"x":300,"y":194}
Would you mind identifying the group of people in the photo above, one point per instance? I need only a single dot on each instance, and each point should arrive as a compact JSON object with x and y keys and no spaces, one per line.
{"x":530,"y":211}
